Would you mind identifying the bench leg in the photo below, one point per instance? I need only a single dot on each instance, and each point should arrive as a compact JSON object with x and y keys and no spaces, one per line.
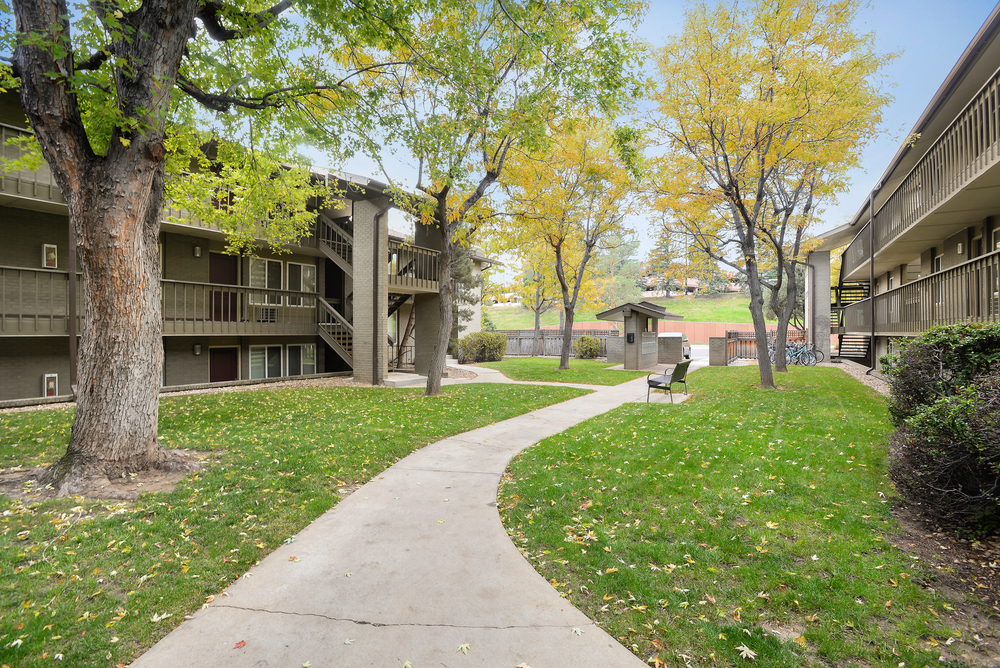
{"x":648,"y":388}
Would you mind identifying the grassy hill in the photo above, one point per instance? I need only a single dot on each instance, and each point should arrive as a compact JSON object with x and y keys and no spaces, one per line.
{"x":710,"y":308}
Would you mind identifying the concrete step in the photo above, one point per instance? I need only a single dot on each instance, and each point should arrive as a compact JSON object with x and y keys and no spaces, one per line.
{"x":397,"y":379}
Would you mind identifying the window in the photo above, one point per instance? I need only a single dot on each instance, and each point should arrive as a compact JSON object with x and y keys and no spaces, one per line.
{"x":265,"y":274}
{"x":265,"y":361}
{"x":301,"y":359}
{"x":301,"y":278}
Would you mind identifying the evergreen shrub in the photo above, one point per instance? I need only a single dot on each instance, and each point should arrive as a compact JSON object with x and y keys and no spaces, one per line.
{"x":482,"y":347}
{"x":944,"y":400}
{"x":587,"y":347}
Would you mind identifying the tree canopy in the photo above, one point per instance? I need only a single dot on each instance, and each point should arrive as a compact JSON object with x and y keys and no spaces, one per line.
{"x":763,"y":106}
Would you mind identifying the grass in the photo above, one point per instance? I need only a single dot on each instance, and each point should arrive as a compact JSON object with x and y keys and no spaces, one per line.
{"x":546,"y":370}
{"x":701,"y":530}
{"x":96,"y":583}
{"x":710,"y":308}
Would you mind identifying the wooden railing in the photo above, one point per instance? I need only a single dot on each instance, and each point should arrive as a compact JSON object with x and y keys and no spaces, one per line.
{"x":965,"y":150}
{"x":336,"y":239}
{"x":38,"y":184}
{"x":209,"y":308}
{"x":35,"y":301}
{"x":743,"y":345}
{"x":412,"y":267}
{"x":969,"y":292}
{"x":857,"y":253}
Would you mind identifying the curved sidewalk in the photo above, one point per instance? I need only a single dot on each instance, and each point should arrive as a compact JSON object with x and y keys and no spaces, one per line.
{"x":412,"y":567}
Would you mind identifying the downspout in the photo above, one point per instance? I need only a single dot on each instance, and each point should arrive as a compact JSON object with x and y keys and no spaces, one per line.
{"x":871,"y":272}
{"x":376,"y":248}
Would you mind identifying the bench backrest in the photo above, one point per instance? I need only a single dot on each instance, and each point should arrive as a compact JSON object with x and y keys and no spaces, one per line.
{"x":679,"y":372}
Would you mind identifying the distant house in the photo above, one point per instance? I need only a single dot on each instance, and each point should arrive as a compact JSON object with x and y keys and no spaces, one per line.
{"x":924,"y":249}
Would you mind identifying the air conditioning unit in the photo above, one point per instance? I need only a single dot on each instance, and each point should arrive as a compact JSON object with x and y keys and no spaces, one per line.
{"x":267,"y":315}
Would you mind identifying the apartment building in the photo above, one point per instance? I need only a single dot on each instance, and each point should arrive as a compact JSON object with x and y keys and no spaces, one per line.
{"x":924,"y":248}
{"x":324,"y":305}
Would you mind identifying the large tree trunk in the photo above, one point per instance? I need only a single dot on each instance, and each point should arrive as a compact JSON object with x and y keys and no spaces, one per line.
{"x":114,"y":204}
{"x":537,"y":341}
{"x":759,"y":324}
{"x":445,"y":296}
{"x":567,"y":342}
{"x":115,"y":217}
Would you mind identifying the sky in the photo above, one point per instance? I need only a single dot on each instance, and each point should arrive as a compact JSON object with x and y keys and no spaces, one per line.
{"x":929,"y":35}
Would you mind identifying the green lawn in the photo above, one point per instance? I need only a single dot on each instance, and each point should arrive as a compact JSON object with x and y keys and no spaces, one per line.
{"x":546,"y":370}
{"x":711,"y":308}
{"x":96,"y":583}
{"x":720,"y":524}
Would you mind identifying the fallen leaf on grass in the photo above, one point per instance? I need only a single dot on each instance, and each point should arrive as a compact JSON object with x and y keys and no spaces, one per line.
{"x":746,"y":652}
{"x":240,"y":644}
{"x":464,"y":649}
{"x":157,"y":618}
{"x":800,"y":640}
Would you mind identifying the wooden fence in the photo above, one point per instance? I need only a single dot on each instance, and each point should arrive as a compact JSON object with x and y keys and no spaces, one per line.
{"x":743,"y":345}
{"x":521,"y":342}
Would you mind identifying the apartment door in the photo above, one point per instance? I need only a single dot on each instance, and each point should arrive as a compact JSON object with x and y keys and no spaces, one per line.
{"x":223,"y":364}
{"x":223,"y":270}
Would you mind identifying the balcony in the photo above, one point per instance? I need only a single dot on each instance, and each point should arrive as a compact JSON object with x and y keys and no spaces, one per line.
{"x":965,"y":152}
{"x":412,"y":269}
{"x":39,"y":187}
{"x":969,"y":292}
{"x":35,"y":302}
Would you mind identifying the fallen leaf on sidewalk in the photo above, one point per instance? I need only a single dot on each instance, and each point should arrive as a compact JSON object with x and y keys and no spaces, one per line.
{"x":522,"y":665}
{"x":577,"y":631}
{"x":240,"y":644}
{"x":464,"y":649}
{"x":349,"y":641}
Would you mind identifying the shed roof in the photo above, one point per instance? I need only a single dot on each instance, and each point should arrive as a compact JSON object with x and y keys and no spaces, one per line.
{"x":647,"y":309}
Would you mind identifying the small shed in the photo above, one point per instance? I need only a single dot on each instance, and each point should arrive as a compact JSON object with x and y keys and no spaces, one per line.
{"x":637,"y":348}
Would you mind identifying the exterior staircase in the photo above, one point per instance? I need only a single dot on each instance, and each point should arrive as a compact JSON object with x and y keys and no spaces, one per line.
{"x":337,"y":244}
{"x":855,"y":347}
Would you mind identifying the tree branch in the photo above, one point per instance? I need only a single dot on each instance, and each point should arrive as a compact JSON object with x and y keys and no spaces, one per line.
{"x":211,"y":13}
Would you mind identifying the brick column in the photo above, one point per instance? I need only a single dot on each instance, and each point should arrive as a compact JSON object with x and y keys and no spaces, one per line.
{"x":425,"y":330}
{"x":371,"y":314}
{"x":817,"y":300}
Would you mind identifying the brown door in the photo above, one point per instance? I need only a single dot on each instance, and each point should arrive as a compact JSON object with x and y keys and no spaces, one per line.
{"x":223,"y":364}
{"x":223,"y":270}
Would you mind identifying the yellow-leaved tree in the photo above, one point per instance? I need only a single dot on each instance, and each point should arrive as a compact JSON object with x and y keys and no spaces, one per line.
{"x":572,"y":196}
{"x":763,"y":106}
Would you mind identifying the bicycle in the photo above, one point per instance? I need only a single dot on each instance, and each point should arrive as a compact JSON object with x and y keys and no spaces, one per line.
{"x":799,"y":353}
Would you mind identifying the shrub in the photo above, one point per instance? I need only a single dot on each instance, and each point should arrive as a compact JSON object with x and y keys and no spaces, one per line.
{"x":937,"y":364}
{"x":946,"y":456}
{"x":482,"y":347}
{"x":587,"y":347}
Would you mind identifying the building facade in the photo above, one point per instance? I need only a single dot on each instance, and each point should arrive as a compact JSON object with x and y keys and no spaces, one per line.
{"x":924,"y":249}
{"x":322,"y":306}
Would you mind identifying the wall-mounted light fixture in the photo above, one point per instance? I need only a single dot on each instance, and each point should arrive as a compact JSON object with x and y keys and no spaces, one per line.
{"x":197,"y":349}
{"x":959,"y":250}
{"x":197,"y":251}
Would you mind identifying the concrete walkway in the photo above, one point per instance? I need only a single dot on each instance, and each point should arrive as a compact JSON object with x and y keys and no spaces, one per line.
{"x":411,"y":567}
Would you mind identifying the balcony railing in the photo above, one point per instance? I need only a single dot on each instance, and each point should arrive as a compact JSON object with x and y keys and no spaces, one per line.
{"x":34,"y":183}
{"x":969,"y":292}
{"x":857,"y":253}
{"x":965,"y":150}
{"x":35,"y":301}
{"x":209,"y":308}
{"x":412,"y":267}
{"x":38,"y":184}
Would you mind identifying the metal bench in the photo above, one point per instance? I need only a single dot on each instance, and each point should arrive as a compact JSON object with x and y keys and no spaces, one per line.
{"x":664,"y":381}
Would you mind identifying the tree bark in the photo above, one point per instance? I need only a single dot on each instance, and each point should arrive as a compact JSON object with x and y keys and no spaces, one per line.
{"x":114,"y":205}
{"x":536,"y":343}
{"x":759,"y":324}
{"x":445,"y":296}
